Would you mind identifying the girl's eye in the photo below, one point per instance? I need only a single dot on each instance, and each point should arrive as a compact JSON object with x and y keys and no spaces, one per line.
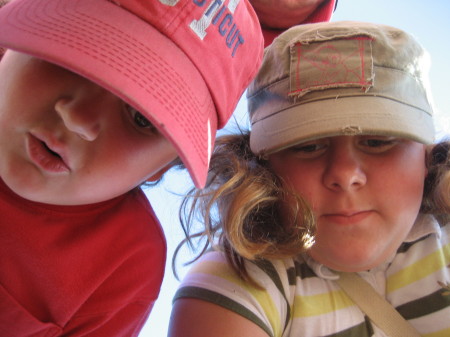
{"x":139,"y":120}
{"x":378,"y":144}
{"x":309,"y":149}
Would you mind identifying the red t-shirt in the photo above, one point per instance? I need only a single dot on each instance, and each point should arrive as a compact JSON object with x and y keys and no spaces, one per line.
{"x":91,"y":270}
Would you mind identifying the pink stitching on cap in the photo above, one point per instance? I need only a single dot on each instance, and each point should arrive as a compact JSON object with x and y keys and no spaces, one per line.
{"x":327,"y":64}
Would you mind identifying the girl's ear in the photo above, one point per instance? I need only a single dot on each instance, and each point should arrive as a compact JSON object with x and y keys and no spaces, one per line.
{"x":159,"y":174}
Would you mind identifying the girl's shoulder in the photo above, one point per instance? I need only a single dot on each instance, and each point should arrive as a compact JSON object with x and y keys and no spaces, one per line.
{"x":267,"y":303}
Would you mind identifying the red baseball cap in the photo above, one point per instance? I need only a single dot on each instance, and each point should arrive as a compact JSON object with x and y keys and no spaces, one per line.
{"x":184,"y":64}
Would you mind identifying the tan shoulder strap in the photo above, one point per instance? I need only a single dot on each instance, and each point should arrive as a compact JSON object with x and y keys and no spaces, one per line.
{"x":380,"y":311}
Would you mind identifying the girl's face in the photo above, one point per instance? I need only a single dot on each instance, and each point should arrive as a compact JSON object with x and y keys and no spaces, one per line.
{"x":67,"y":141}
{"x":365,"y":192}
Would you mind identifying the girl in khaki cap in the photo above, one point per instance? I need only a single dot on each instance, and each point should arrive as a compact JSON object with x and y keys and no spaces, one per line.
{"x":338,"y":176}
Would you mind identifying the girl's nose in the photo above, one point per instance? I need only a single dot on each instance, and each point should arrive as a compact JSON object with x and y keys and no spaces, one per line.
{"x":344,"y":170}
{"x":82,"y":111}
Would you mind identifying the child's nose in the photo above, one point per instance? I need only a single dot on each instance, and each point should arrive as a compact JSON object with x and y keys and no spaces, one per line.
{"x":82,"y":111}
{"x":344,"y":171}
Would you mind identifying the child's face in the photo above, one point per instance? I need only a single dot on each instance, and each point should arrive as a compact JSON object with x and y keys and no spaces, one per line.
{"x":365,"y":192}
{"x":67,"y":141}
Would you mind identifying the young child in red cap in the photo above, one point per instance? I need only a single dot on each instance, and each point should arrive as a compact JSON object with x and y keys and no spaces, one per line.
{"x":337,"y":187}
{"x":96,"y":98}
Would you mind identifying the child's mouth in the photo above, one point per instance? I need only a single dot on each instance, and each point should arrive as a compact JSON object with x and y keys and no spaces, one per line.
{"x":43,"y":157}
{"x":51,"y":152}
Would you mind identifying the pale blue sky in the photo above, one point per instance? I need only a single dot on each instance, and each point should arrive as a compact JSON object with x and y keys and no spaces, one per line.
{"x":427,"y":20}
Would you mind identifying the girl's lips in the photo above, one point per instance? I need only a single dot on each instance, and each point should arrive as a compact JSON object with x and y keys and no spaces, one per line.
{"x":41,"y":156}
{"x":347,"y":219}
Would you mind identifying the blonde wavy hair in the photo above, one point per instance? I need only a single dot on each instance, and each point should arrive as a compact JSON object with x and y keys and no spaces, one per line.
{"x":239,"y":208}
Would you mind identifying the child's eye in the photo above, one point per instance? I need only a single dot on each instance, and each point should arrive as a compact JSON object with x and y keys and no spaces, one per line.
{"x":309,"y":149}
{"x":139,"y":120}
{"x":378,"y":143}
